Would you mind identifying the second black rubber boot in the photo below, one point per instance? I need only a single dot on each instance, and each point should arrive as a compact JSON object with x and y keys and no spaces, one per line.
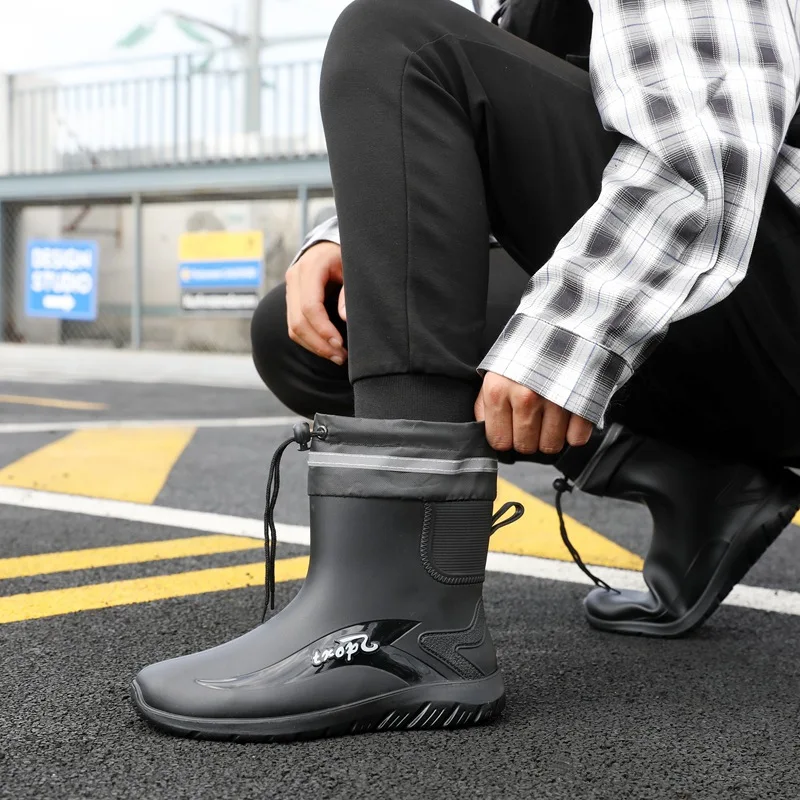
{"x":388,"y":630}
{"x":712,"y":521}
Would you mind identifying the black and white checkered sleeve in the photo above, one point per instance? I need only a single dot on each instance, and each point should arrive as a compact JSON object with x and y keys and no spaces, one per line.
{"x":703,"y":92}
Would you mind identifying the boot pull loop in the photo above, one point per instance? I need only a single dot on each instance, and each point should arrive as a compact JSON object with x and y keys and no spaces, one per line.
{"x":301,"y":435}
{"x":562,"y":485}
{"x":519,"y":510}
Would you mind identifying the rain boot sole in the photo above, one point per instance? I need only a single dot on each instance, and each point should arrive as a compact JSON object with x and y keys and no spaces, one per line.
{"x":450,"y":705}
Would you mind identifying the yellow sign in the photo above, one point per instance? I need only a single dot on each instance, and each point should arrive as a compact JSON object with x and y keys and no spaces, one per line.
{"x":221,"y":246}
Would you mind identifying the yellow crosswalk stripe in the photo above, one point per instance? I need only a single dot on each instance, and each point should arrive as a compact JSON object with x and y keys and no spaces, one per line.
{"x":537,"y":534}
{"x":38,"y":605}
{"x":114,"y":464}
{"x":51,"y":402}
{"x":72,"y":560}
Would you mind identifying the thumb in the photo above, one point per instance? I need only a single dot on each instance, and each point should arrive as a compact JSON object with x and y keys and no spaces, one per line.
{"x":480,"y":415}
{"x":342,"y":308}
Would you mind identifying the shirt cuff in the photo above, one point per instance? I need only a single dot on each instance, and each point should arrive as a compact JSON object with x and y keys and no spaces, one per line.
{"x":570,"y":371}
{"x":328,"y":231}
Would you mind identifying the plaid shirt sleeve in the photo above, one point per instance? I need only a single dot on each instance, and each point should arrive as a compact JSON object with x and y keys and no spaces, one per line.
{"x":703,"y":92}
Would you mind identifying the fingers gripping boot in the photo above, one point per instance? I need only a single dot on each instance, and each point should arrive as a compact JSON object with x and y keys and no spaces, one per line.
{"x":388,"y":631}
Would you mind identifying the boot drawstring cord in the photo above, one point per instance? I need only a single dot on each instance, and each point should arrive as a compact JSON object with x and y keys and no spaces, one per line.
{"x":302,"y":435}
{"x":562,"y":485}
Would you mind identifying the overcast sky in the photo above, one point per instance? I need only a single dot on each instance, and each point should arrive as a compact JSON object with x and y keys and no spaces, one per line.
{"x":39,"y":33}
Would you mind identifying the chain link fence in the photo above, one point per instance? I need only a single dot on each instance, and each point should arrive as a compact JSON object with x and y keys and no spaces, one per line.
{"x":124,"y":309}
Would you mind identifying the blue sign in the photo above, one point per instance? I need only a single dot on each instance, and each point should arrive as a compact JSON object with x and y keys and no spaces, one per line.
{"x":219,"y":275}
{"x":61,"y":280}
{"x":220,"y":270}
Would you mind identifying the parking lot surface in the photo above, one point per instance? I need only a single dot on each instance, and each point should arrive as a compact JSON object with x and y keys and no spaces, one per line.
{"x":129,"y":532}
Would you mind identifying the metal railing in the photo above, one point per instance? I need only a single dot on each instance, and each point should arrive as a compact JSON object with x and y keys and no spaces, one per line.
{"x":160,"y":112}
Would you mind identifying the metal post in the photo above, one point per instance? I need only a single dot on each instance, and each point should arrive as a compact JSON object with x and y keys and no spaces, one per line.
{"x":136,"y":298}
{"x":10,"y":106}
{"x":253,"y":68}
{"x":302,"y":202}
{"x":189,"y":110}
{"x":3,"y":270}
{"x":176,"y":109}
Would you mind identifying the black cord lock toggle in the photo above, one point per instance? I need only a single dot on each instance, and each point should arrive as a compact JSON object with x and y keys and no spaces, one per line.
{"x":302,"y":434}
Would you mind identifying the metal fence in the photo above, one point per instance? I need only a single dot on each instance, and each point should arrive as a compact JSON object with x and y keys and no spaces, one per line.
{"x":154,"y":112}
{"x":138,"y":298}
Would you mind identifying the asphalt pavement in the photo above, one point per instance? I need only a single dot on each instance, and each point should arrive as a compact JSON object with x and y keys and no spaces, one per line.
{"x":589,"y":715}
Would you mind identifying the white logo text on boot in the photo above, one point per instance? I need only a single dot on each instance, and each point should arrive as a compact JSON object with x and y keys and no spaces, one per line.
{"x":346,"y":647}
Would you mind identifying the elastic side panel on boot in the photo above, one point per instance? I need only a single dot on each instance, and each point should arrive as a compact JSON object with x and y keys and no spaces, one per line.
{"x":455,"y":538}
{"x":447,"y":645}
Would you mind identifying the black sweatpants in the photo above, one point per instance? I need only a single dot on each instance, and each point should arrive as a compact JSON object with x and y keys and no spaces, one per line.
{"x":441,"y":127}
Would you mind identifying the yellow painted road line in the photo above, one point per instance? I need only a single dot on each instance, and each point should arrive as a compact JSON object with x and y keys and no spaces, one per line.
{"x":49,"y":563}
{"x":37,"y":605}
{"x":51,"y":402}
{"x":130,"y":465}
{"x":537,"y":534}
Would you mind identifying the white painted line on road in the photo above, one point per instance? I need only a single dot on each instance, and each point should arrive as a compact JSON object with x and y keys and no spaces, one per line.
{"x":778,"y":601}
{"x":759,"y":598}
{"x":223,"y":422}
{"x":151,"y":515}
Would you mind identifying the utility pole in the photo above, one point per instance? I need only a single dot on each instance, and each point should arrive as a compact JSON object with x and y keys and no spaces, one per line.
{"x":253,"y":64}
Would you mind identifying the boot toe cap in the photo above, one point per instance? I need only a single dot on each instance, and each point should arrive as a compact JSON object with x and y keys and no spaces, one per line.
{"x":166,"y":687}
{"x":625,"y":606}
{"x":194,"y":687}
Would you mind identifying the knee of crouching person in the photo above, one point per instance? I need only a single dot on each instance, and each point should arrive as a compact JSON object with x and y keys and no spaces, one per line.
{"x":364,"y":36}
{"x":269,"y":337}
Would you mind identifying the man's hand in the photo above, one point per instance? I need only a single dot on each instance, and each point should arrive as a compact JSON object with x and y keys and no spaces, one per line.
{"x":308,"y":321}
{"x":519,"y":419}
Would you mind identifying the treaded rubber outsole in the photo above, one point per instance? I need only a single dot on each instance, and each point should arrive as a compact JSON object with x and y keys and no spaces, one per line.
{"x":396,"y":715}
{"x":733,"y":567}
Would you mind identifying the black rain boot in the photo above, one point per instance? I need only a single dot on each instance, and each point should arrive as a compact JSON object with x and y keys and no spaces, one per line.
{"x":388,"y":630}
{"x":712,"y":521}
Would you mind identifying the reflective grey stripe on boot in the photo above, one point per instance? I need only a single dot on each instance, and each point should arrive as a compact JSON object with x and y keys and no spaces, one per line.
{"x":712,"y":521}
{"x":388,"y":630}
